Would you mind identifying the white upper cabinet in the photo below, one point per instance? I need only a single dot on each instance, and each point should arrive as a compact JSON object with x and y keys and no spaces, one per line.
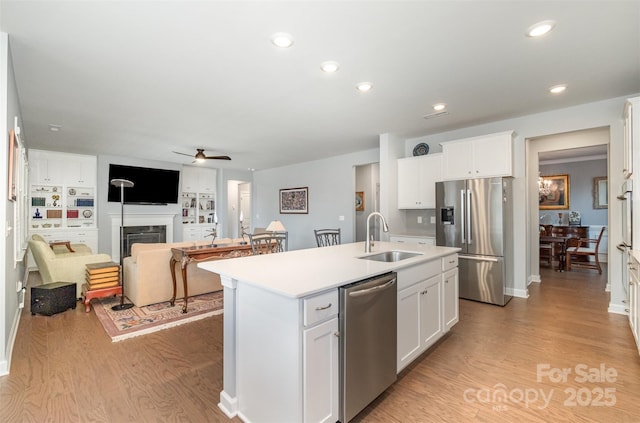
{"x":65,"y":169}
{"x":198,"y":179}
{"x":631,"y":134}
{"x":417,"y":177}
{"x":478,"y":157}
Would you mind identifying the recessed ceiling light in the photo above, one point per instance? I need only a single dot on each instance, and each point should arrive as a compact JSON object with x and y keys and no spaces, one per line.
{"x":282,"y":40}
{"x":364,"y":86}
{"x":557,"y":89}
{"x":54,"y":128}
{"x":439,"y":107}
{"x":330,"y":66}
{"x":539,"y":29}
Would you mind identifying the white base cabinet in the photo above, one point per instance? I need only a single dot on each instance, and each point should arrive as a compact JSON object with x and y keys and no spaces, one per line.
{"x":427,"y":240}
{"x":320,"y":372}
{"x":634,"y":299}
{"x":427,"y":306}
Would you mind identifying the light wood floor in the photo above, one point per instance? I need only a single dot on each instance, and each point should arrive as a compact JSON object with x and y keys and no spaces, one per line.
{"x":65,"y":369}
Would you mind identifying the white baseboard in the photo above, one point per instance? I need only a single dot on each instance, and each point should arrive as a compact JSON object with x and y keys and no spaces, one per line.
{"x":534,"y":278}
{"x":520,"y":293}
{"x":618,"y":309}
{"x":228,"y":405}
{"x":5,"y":365}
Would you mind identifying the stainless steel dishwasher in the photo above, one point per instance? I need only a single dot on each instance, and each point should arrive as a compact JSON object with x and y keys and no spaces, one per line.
{"x":368,"y":342}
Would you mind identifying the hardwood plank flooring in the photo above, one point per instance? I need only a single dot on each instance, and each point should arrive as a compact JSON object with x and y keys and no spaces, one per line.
{"x":65,"y":368}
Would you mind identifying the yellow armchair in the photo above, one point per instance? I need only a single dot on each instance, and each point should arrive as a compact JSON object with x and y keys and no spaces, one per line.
{"x":63,"y":266}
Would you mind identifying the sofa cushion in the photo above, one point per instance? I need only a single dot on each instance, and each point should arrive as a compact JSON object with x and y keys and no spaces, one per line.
{"x":139,"y":247}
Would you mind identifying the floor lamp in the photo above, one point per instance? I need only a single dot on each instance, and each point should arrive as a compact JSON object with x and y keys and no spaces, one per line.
{"x":122,"y":183}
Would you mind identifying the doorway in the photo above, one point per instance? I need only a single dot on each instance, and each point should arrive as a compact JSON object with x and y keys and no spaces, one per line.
{"x":367,"y":183}
{"x":238,"y":208}
{"x":580,"y":157}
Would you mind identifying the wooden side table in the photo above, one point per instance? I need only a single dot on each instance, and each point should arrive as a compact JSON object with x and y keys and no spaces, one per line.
{"x":89,"y":294}
{"x":65,"y":243}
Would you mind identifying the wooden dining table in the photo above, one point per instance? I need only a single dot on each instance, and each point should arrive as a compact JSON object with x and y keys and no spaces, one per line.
{"x":561,"y":242}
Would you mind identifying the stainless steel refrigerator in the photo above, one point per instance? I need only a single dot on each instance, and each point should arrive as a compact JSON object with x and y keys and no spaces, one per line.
{"x":476,"y":215}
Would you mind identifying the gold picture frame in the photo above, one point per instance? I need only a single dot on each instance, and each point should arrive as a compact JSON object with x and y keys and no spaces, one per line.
{"x":559,"y":193}
{"x":13,"y":164}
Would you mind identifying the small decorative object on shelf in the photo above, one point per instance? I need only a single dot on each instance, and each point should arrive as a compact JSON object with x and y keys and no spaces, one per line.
{"x":574,"y":218}
{"x":421,"y":149}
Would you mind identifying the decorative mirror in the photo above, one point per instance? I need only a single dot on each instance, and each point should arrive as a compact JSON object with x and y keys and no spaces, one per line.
{"x":600,"y":193}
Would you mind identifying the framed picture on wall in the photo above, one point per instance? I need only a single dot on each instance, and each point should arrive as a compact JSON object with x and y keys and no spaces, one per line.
{"x":294,"y":200}
{"x":13,"y":165}
{"x":359,"y":200}
{"x":554,"y":192}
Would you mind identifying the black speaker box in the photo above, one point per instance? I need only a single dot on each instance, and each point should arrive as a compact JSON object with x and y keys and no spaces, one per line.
{"x":52,"y":298}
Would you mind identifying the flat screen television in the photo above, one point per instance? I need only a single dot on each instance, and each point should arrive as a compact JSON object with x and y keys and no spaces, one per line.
{"x":150,"y":186}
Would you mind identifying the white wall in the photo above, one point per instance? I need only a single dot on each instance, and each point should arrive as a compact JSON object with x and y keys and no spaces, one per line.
{"x":607,"y":113}
{"x":331,"y":184}
{"x":13,"y":272}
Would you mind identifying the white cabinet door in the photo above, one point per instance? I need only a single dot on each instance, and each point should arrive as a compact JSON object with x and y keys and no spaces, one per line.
{"x":431,"y":311}
{"x":189,"y":178}
{"x":450,"y":305}
{"x":409,"y":183}
{"x":457,"y":160}
{"x":320,"y":372}
{"x":417,"y":177}
{"x":634,"y":297}
{"x":80,"y":171}
{"x":479,"y":157}
{"x":409,"y":325}
{"x":46,"y":171}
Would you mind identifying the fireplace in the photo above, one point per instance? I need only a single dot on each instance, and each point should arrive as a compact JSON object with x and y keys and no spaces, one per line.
{"x":133,"y":220}
{"x":143,"y":234}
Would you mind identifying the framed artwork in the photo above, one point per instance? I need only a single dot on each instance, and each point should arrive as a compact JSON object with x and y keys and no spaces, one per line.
{"x":600,"y":193}
{"x":13,"y":164}
{"x":554,"y":192}
{"x":294,"y":200}
{"x":359,"y":200}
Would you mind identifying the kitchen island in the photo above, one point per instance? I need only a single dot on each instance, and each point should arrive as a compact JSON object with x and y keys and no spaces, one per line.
{"x":281,"y":323}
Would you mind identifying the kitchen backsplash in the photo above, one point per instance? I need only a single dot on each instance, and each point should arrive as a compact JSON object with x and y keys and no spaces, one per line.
{"x":424,"y":228}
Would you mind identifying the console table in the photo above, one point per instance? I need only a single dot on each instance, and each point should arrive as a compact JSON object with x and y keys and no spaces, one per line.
{"x":184,"y":256}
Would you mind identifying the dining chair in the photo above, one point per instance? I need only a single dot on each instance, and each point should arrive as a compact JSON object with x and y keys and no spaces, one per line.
{"x":546,"y":248}
{"x":326,"y":237}
{"x":269,"y":242}
{"x":581,"y":247}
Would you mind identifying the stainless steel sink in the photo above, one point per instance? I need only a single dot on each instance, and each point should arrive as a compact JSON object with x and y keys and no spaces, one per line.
{"x":391,"y":256}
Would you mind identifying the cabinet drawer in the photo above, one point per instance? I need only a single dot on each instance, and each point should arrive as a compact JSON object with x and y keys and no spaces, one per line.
{"x":411,"y":275}
{"x":449,"y":262}
{"x":320,"y":307}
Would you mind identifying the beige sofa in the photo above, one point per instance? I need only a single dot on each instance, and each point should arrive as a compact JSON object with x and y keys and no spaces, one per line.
{"x":147,"y":277}
{"x":58,"y":264}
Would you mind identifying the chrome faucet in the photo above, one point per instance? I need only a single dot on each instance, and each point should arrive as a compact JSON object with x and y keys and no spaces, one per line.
{"x":369,"y":242}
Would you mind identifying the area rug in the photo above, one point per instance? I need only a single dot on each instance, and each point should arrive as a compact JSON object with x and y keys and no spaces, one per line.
{"x":137,"y":321}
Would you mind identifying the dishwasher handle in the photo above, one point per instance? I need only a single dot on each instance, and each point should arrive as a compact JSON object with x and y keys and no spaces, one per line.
{"x":368,"y":291}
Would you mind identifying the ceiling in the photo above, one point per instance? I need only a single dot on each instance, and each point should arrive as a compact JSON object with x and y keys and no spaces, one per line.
{"x":146,"y":78}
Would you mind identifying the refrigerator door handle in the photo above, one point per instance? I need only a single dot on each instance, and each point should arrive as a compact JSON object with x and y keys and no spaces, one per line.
{"x":462,"y":217}
{"x":477,"y":258}
{"x":468,"y":217}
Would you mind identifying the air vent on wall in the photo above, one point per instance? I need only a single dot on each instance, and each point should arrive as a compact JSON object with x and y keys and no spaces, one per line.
{"x":435,"y":114}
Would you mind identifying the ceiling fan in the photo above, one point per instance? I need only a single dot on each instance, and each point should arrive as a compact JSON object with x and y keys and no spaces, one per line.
{"x":201,"y":157}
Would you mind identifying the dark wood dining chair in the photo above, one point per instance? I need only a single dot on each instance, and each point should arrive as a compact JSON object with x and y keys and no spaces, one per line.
{"x":584,"y":247}
{"x":546,"y":248}
{"x":326,"y":237}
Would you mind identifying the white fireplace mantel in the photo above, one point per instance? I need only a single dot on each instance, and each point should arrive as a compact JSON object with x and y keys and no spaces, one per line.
{"x":131,"y":219}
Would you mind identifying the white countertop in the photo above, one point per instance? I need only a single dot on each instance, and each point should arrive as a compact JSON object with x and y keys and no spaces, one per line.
{"x":304,"y":272}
